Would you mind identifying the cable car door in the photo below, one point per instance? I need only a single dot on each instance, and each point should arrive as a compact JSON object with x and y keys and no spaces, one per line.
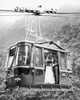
{"x":38,"y":66}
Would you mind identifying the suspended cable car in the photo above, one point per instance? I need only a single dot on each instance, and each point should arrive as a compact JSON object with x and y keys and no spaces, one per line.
{"x":37,"y":65}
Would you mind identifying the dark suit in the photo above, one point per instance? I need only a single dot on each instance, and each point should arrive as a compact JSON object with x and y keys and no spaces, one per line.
{"x":56,"y":73}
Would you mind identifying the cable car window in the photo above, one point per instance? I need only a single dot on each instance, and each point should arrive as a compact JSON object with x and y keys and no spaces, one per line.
{"x":21,"y":71}
{"x":63,"y":61}
{"x":11,"y":58}
{"x":12,"y":52}
{"x":38,"y":56}
{"x":69,"y":66}
{"x":38,"y":72}
{"x":23,"y":55}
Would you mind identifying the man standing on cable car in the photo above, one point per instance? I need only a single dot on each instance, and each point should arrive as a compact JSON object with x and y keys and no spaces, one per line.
{"x":56,"y":68}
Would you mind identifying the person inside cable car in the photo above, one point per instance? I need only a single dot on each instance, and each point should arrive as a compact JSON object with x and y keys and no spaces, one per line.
{"x":49,"y":75}
{"x":52,"y":69}
{"x":56,"y":68}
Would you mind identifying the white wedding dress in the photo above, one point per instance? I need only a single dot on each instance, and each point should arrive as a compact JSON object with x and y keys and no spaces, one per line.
{"x":49,"y":75}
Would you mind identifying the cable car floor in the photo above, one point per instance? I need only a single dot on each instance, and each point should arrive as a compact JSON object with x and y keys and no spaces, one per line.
{"x":45,"y":87}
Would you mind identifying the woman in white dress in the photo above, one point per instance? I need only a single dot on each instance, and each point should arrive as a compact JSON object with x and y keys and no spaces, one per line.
{"x":49,"y":75}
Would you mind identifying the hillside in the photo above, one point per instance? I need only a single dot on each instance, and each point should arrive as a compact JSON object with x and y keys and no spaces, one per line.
{"x":50,"y":25}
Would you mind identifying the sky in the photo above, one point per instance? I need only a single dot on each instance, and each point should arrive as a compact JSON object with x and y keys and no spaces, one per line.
{"x":10,"y":4}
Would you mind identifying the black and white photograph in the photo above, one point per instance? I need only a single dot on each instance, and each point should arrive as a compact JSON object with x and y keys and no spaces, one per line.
{"x":39,"y":49}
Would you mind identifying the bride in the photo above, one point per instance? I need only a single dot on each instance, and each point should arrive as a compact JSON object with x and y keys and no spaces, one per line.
{"x":49,"y":75}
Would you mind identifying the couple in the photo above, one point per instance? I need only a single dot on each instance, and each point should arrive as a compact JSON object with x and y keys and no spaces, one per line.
{"x":49,"y":73}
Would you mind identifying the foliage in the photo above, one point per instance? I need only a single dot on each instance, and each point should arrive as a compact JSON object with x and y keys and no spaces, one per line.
{"x":24,"y":94}
{"x":69,"y":36}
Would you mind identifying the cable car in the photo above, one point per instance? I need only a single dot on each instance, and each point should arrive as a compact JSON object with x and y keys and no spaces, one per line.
{"x":38,"y":64}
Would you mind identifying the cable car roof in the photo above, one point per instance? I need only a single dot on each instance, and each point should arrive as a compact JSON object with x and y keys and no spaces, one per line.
{"x":47,"y":45}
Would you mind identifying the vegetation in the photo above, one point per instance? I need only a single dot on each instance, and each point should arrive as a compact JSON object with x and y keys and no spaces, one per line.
{"x":69,"y":36}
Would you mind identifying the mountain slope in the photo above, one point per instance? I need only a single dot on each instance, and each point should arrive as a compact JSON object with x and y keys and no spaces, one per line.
{"x":50,"y":25}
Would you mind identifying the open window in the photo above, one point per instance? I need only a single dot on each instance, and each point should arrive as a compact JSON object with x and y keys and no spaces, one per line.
{"x":50,"y":56}
{"x":11,"y":57}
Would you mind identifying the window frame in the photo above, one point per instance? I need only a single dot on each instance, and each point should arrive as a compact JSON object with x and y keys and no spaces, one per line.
{"x":65,"y":60}
{"x":17,"y":54}
{"x":69,"y":63}
{"x":34,"y":57}
{"x":14,"y":60}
